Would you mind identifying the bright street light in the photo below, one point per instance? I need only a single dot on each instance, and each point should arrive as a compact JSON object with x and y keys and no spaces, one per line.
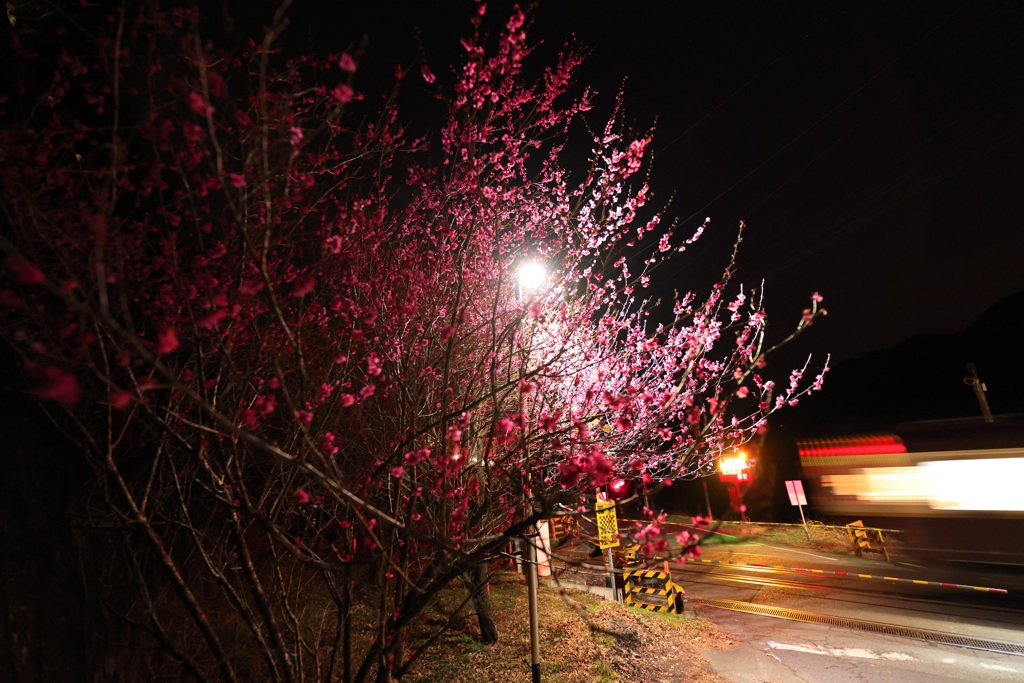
{"x":532,"y":276}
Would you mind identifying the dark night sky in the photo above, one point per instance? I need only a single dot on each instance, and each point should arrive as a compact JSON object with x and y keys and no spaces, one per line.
{"x":872,"y":147}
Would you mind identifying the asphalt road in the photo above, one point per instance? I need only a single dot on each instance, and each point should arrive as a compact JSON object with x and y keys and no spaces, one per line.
{"x":779,"y":650}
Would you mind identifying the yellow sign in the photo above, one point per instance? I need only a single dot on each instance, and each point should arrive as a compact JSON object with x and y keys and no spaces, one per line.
{"x":607,"y":525}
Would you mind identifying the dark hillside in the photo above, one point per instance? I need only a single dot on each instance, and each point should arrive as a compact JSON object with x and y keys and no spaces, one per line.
{"x":921,"y":381}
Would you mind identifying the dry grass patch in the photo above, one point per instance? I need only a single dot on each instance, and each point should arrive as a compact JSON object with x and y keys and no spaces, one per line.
{"x":583,"y":640}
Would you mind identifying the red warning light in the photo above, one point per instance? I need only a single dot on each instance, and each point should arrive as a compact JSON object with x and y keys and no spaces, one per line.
{"x":734,"y":468}
{"x":618,"y":488}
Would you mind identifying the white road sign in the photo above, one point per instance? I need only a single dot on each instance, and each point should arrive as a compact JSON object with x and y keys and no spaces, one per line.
{"x":795,"y":489}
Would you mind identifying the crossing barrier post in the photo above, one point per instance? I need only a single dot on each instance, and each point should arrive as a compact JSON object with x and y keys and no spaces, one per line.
{"x":650,"y":590}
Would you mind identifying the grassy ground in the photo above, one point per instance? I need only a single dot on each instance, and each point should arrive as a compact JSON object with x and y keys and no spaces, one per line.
{"x":818,"y":536}
{"x":821,"y":538}
{"x":584,"y":640}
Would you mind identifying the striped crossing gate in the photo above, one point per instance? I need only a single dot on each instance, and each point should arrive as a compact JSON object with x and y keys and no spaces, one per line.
{"x":861,"y":541}
{"x":650,"y":590}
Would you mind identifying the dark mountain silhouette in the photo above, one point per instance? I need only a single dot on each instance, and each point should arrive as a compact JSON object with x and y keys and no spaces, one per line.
{"x":916,"y":389}
{"x":921,"y":379}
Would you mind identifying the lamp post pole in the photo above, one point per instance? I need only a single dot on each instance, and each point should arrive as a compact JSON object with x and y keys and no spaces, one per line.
{"x":531,"y":276}
{"x":531,"y":585}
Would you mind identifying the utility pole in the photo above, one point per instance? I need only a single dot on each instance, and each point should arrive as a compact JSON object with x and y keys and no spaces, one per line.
{"x":979,"y":391}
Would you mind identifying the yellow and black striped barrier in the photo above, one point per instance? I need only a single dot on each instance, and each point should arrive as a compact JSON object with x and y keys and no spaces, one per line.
{"x":651,"y":590}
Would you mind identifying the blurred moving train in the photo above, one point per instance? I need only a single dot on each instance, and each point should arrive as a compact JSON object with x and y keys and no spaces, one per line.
{"x":955,"y":487}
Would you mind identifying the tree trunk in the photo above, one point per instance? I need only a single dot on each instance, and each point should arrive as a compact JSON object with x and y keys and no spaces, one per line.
{"x":476,"y":583}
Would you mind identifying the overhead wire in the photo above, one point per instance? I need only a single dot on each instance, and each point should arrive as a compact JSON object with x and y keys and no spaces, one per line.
{"x":822,"y":238}
{"x":952,"y":158}
{"x":635,"y":257}
{"x":745,"y":85}
{"x":823,"y":117}
{"x":850,"y":223}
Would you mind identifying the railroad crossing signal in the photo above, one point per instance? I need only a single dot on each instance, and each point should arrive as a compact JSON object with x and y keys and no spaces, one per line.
{"x":735,"y":469}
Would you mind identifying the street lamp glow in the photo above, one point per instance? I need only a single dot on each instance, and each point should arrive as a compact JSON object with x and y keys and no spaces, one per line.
{"x":531,"y":276}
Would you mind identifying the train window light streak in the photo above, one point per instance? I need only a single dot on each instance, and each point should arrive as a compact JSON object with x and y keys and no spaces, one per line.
{"x":983,"y":485}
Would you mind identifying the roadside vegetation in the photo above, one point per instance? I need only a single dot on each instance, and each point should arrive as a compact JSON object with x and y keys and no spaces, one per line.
{"x":823,"y":536}
{"x":584,"y":639}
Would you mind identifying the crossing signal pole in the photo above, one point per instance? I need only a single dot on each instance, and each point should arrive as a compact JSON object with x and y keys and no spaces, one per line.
{"x":979,"y":391}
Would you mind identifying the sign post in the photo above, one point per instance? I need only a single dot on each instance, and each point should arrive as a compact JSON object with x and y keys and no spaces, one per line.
{"x":795,"y":489}
{"x":707,"y":501}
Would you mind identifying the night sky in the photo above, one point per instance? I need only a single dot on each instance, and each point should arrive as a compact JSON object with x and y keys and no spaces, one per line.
{"x":873,"y":148}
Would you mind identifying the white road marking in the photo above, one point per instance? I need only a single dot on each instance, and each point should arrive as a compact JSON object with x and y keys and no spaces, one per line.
{"x":897,"y":656}
{"x":853,"y":652}
{"x":996,"y":667}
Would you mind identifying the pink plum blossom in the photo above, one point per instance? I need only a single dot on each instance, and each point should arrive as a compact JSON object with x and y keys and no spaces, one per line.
{"x":198,"y":104}
{"x":166,"y":340}
{"x":55,"y":384}
{"x":346,"y":63}
{"x":342,"y":93}
{"x":23,"y":272}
